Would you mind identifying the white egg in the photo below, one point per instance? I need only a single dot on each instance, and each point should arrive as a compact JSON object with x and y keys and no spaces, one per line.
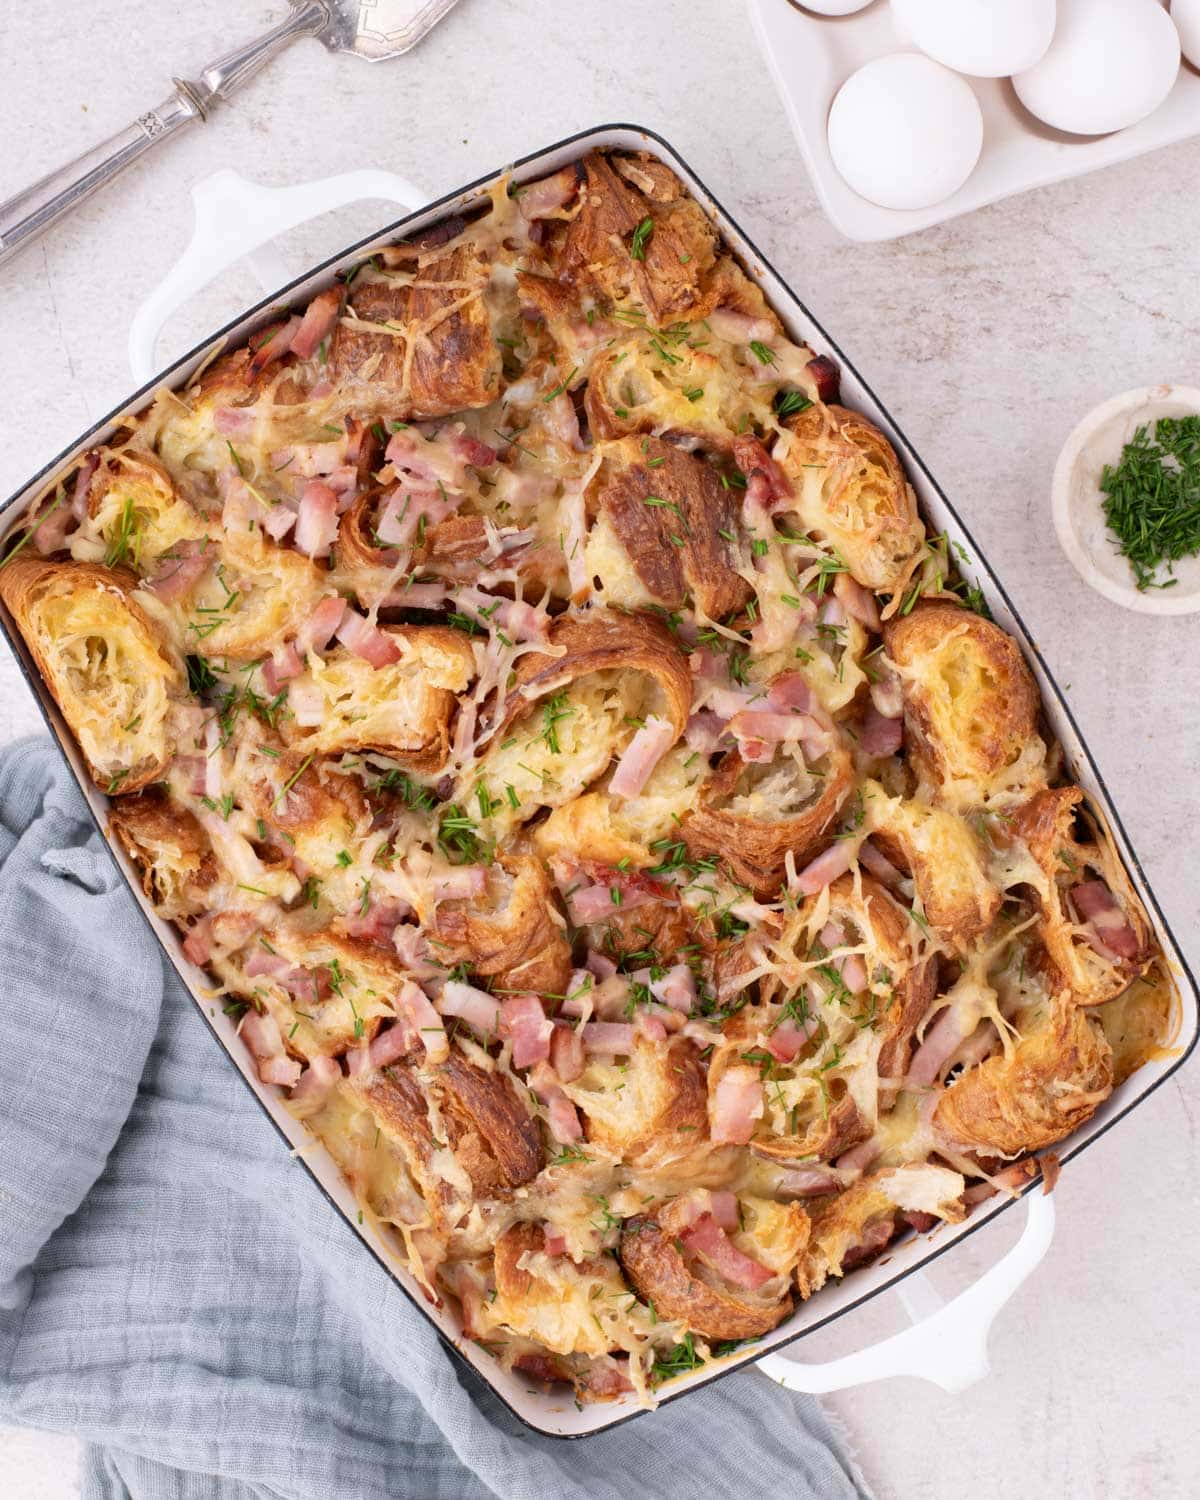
{"x":986,"y":38}
{"x":1111,"y":63}
{"x":905,"y":132}
{"x":834,"y":7}
{"x":1186,"y":15}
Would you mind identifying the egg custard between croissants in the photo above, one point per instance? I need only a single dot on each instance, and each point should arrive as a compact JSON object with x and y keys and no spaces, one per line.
{"x":539,"y":705}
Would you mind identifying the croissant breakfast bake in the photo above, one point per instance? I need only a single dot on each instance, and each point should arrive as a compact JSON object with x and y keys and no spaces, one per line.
{"x":617,"y":827}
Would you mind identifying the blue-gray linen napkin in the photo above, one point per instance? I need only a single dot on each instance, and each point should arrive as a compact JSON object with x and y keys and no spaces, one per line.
{"x":175,"y":1289}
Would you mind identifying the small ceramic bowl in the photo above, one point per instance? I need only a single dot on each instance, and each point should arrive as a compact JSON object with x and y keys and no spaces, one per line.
{"x":1077,"y":502}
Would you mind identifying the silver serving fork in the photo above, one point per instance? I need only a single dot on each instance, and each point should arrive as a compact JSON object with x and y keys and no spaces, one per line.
{"x":372,"y":29}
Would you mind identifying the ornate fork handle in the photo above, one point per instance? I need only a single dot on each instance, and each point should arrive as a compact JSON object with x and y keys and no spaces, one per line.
{"x":29,"y":213}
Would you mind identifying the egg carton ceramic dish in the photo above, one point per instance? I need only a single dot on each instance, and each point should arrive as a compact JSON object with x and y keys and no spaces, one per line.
{"x":946,"y":1344}
{"x":811,"y":57}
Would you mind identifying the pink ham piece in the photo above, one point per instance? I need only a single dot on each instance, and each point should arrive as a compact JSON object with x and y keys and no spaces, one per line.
{"x":740,"y":328}
{"x":553,"y":1242}
{"x":809,"y":1182}
{"x":308,"y":460}
{"x":859,"y":1157}
{"x":563,"y":421}
{"x":724,"y":1208}
{"x":887,"y":692}
{"x":735,"y":1105}
{"x":278,"y":521}
{"x":281,"y":667}
{"x":262,"y":1036}
{"x":612,"y":1037}
{"x":826,"y":868}
{"x":317,"y":521}
{"x":873,"y":1239}
{"x":1096,"y":904}
{"x":59,"y":518}
{"x":401,"y":517}
{"x":880,"y":736}
{"x":600,"y":964}
{"x":52,"y":530}
{"x":703,"y":732}
{"x":566,"y":1053}
{"x":941,"y":1042}
{"x":854,"y":973}
{"x":321,"y":626}
{"x":195,"y":769}
{"x":548,"y":195}
{"x":706,"y":1239}
{"x":771,"y":728}
{"x":413,"y":951}
{"x":825,"y":376}
{"x":364,"y":640}
{"x":181,"y":568}
{"x":459,"y":883}
{"x":787,"y":1039}
{"x":526,"y":1025}
{"x":390,"y":1045}
{"x":677,"y":988}
{"x":378,"y":922}
{"x":273,"y":343}
{"x":560,"y":1112}
{"x":413,"y":1005}
{"x":197,"y":946}
{"x":316,"y":1084}
{"x":301,"y":984}
{"x":83,"y":485}
{"x":640,"y":756}
{"x":317,"y":323}
{"x":476,"y":1007}
{"x":522,"y":622}
{"x":754,"y":460}
{"x":652,"y":1028}
{"x":235,"y":926}
{"x":478,"y":455}
{"x":594,"y":903}
{"x":858,"y":602}
{"x":879,"y":865}
{"x":235,"y":421}
{"x":790,"y":691}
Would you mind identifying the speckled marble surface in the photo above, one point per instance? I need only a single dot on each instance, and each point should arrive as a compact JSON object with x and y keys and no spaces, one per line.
{"x":987,"y":338}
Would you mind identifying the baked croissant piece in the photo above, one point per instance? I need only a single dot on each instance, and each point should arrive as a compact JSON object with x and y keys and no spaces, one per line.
{"x":850,"y":490}
{"x":112,"y":674}
{"x":970,"y":703}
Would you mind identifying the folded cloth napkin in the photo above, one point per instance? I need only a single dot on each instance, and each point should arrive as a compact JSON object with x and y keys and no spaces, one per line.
{"x":175,"y":1289}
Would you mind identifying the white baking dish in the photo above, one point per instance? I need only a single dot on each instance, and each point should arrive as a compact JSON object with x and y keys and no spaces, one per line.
{"x":234,"y":217}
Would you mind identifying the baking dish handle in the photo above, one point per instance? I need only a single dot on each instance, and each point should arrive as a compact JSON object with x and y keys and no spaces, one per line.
{"x":236,"y":218}
{"x":947,"y":1343}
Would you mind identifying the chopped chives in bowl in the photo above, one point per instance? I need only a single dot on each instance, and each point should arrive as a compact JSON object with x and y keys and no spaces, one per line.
{"x":1152,"y":499}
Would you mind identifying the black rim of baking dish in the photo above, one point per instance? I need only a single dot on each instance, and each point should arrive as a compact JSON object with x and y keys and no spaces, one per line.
{"x":593,"y":136}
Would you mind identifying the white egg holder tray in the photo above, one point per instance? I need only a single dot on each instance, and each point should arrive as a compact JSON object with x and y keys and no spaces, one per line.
{"x":811,"y":57}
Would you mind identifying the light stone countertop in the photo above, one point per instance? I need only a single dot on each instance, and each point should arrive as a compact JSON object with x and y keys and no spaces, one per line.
{"x":987,"y":338}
